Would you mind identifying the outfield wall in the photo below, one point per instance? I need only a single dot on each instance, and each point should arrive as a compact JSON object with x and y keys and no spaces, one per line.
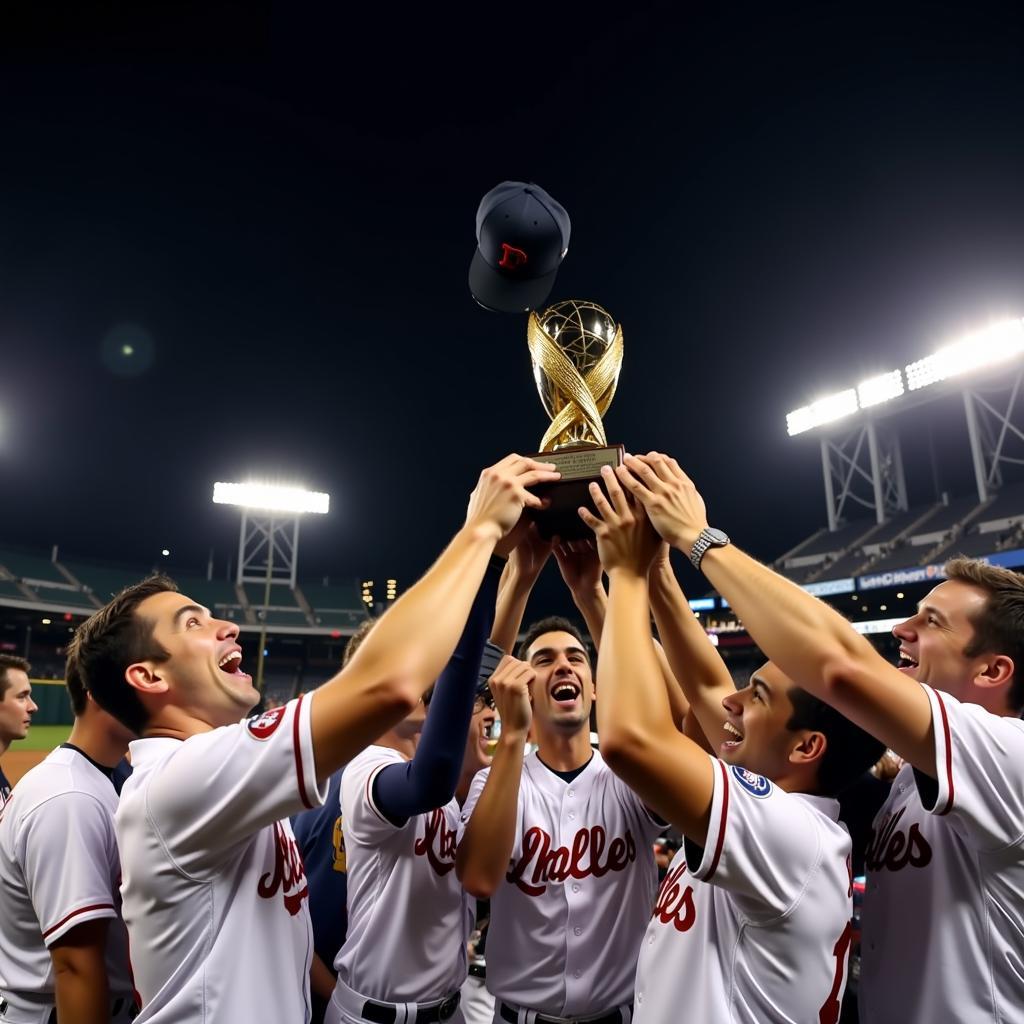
{"x":52,"y":698}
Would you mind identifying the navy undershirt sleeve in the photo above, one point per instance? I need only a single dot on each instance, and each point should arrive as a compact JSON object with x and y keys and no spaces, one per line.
{"x":402,"y":791}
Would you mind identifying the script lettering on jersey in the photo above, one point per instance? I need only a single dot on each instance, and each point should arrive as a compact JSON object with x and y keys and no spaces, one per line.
{"x":289,"y":871}
{"x":674,"y":905}
{"x":559,"y":863}
{"x":894,"y":849}
{"x":437,"y":843}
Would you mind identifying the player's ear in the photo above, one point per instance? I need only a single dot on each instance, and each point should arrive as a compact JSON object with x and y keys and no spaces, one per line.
{"x":809,"y":749}
{"x":142,"y":676}
{"x":997,"y":671}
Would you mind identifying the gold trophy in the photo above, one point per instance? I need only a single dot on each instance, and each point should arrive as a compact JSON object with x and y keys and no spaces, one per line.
{"x":576,"y":350}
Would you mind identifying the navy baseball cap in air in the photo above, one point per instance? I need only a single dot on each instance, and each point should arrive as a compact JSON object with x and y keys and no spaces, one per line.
{"x":522,"y":235}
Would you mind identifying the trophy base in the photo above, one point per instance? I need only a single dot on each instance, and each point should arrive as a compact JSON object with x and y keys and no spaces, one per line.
{"x":578,"y":466}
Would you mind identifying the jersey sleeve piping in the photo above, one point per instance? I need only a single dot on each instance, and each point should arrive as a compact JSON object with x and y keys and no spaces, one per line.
{"x":368,"y":793}
{"x":943,"y":755}
{"x":716,"y":825}
{"x":297,"y":746}
{"x":69,"y":921}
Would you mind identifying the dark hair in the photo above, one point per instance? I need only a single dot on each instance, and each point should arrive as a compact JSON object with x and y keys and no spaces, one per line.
{"x":8,"y":661}
{"x":552,"y":624}
{"x":107,"y":643}
{"x":849,"y":750}
{"x":355,"y":641}
{"x":77,"y":693}
{"x":999,"y":626}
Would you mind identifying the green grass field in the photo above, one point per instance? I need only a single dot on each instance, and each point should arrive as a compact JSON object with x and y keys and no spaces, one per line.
{"x":42,"y":737}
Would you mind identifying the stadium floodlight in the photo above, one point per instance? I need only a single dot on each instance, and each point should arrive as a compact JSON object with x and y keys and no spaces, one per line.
{"x":883,"y":388}
{"x":995,"y":344}
{"x":268,"y":539}
{"x":824,"y":410}
{"x":271,"y":498}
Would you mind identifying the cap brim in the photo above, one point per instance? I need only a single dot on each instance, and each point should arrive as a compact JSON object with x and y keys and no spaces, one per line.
{"x":503,"y":294}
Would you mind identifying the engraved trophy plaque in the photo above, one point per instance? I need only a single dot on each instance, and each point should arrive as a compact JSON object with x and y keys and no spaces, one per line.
{"x":576,"y":350}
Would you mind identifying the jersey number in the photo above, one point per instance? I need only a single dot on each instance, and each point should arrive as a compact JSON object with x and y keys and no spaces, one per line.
{"x":829,"y":1013}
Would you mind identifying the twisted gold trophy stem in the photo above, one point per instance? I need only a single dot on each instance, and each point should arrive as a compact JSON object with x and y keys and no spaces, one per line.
{"x":587,"y":396}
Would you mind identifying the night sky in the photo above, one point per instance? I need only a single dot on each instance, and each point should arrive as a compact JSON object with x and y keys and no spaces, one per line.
{"x":282,"y":206}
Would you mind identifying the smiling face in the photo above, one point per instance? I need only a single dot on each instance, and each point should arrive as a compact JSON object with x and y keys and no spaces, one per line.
{"x":16,"y":706}
{"x":202,"y":674}
{"x":563,"y":691}
{"x":478,"y":742}
{"x":755,"y":734}
{"x":934,"y":640}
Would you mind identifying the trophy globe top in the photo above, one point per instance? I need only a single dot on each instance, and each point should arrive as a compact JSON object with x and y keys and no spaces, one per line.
{"x":583,"y":332}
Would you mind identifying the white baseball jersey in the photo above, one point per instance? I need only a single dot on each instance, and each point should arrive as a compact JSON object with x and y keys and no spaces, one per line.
{"x":215,"y":895}
{"x":943,"y":921}
{"x":408,"y":917}
{"x":753,"y":927}
{"x":566,"y":923}
{"x":58,"y":868}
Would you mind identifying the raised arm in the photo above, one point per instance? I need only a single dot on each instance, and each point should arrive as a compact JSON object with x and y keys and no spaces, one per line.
{"x":526,"y":561}
{"x":809,"y":641}
{"x":693,"y":661}
{"x":490,"y":833}
{"x":401,"y":791}
{"x":580,"y":565}
{"x":410,"y":645}
{"x":639,"y":739}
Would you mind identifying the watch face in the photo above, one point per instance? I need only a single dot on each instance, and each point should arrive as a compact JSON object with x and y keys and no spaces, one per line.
{"x":717,"y":536}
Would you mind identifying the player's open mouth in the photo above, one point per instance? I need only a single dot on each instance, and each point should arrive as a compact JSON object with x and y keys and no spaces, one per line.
{"x":231,"y":664}
{"x":565,"y":693}
{"x":736,"y":737}
{"x":906,"y":663}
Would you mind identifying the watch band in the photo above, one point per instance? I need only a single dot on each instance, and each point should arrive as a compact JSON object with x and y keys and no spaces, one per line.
{"x":707,"y":538}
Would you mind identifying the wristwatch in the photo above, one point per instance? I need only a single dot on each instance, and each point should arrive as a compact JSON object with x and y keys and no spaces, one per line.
{"x":709,"y":537}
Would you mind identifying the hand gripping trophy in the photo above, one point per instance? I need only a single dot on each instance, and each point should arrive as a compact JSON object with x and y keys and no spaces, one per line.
{"x":576,"y":350}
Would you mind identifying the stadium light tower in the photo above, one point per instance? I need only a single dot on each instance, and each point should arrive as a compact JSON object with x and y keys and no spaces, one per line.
{"x":861,"y":460}
{"x":268,"y":541}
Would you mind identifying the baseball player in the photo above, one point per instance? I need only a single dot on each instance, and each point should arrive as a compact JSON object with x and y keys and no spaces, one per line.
{"x":321,"y":843}
{"x":214,"y":890}
{"x":400,"y":819}
{"x":477,"y":1003}
{"x":944,"y":909}
{"x":752,"y":921}
{"x":561,"y":847}
{"x":63,"y":946}
{"x":16,"y":709}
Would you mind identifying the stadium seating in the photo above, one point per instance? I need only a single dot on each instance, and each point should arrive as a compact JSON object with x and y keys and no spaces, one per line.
{"x":31,"y":578}
{"x":957,"y":513}
{"x":33,"y":567}
{"x":103,"y":581}
{"x":923,"y":534}
{"x":1006,"y":508}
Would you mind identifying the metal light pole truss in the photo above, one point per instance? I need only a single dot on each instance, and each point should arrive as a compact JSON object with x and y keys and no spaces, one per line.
{"x":268,"y":547}
{"x":865,"y":467}
{"x":992,"y":432}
